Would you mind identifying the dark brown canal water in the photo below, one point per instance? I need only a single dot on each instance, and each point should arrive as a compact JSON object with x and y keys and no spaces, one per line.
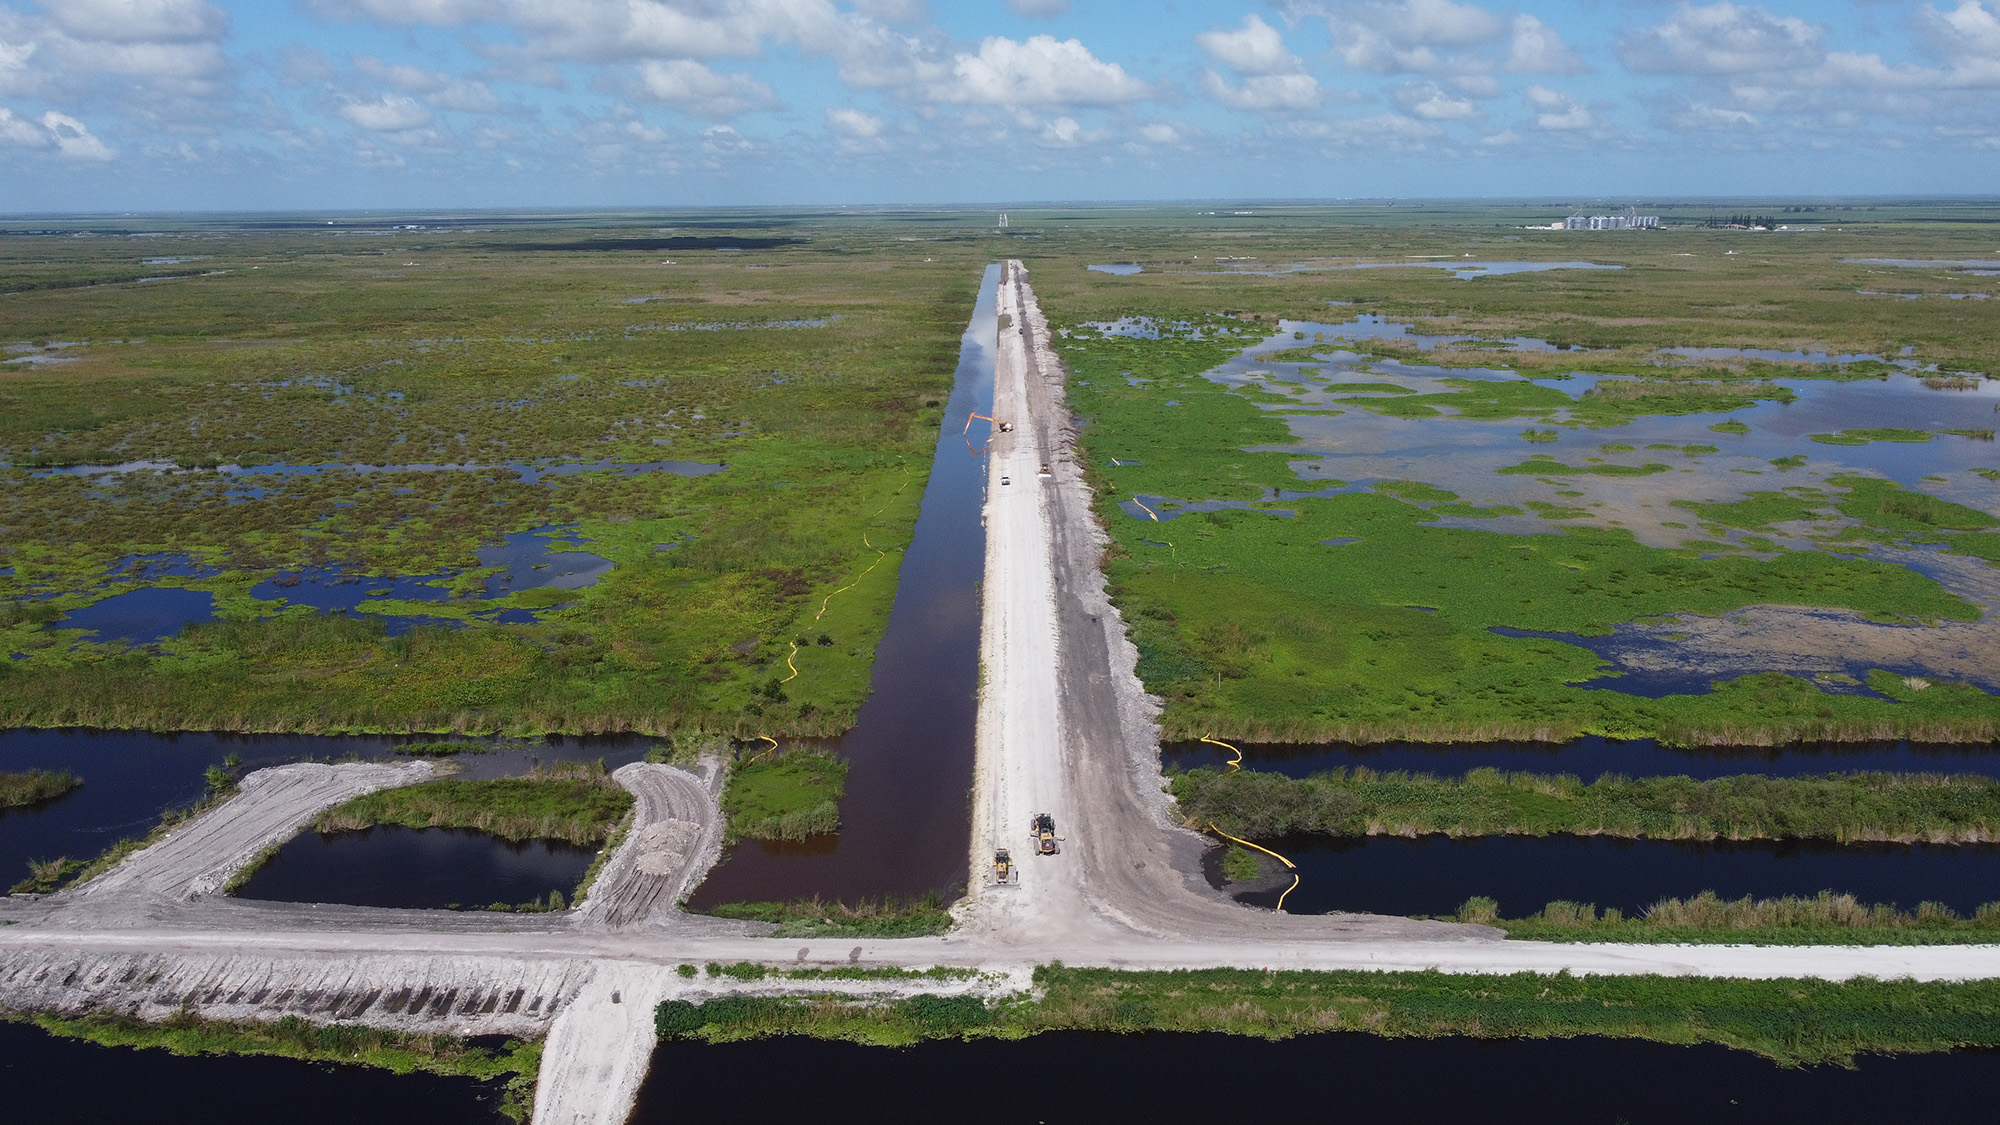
{"x":1436,"y":874}
{"x":1590,"y":757}
{"x":907,"y":814}
{"x":48,"y":1080}
{"x":1341,"y":1077}
{"x":418,"y":869}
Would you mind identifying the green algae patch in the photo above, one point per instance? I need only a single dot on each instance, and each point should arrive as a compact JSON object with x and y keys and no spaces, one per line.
{"x":1864,"y":437}
{"x":1540,"y":466}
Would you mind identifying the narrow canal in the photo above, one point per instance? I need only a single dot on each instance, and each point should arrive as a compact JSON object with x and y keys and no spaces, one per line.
{"x":907,"y":814}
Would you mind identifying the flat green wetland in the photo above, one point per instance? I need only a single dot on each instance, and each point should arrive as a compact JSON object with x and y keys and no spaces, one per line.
{"x":1329,"y":523}
{"x":296,"y":456}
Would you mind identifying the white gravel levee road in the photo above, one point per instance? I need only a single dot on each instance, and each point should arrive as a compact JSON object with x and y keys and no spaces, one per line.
{"x":1064,"y":727}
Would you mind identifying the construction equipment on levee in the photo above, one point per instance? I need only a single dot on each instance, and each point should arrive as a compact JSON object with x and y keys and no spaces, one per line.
{"x":1003,"y":427}
{"x":1004,"y":872}
{"x":1043,"y":831}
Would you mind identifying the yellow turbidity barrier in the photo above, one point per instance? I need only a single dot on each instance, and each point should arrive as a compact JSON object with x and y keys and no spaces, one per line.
{"x":1293,"y":867}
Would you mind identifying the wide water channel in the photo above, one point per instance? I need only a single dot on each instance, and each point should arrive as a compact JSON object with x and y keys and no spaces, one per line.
{"x":131,"y":777}
{"x":906,"y":818}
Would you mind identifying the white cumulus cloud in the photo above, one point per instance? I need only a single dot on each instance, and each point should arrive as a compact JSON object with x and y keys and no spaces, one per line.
{"x":1043,"y":70}
{"x":1557,"y":111}
{"x":392,"y":113}
{"x":1722,"y":38}
{"x":695,"y":89}
{"x":1254,"y":48}
{"x":853,"y":123}
{"x":1536,"y":48}
{"x":74,"y":140}
{"x":139,"y":21}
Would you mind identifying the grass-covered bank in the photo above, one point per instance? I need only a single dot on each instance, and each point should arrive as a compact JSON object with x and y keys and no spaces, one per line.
{"x":31,"y":787}
{"x":1795,"y":1022}
{"x":1825,"y":919}
{"x":867,"y":918}
{"x":787,"y":795}
{"x":1905,"y":808}
{"x":516,"y":1062}
{"x":575,"y":802}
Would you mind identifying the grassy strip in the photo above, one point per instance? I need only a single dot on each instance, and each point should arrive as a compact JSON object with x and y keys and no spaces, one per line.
{"x":1844,"y":807}
{"x":294,"y":1038}
{"x":1825,"y":919}
{"x":1795,"y":1022}
{"x":817,"y":918}
{"x":30,"y":787}
{"x":576,"y":802}
{"x":788,"y":796}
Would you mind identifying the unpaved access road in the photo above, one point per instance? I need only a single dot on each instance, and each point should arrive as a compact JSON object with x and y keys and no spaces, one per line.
{"x":1064,"y":727}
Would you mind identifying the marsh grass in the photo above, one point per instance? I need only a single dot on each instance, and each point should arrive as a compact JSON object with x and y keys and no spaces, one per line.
{"x":1823,"y":919}
{"x":32,"y":787}
{"x":576,"y":802}
{"x":815,"y":917}
{"x":1793,"y":1022}
{"x":1846,"y":808}
{"x":789,"y":795}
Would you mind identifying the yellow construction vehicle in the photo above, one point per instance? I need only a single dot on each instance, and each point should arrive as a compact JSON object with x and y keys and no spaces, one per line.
{"x":1003,"y":427}
{"x":1003,"y":867}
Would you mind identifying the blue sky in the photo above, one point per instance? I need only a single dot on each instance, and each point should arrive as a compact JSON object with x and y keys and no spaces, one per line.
{"x":309,"y":104}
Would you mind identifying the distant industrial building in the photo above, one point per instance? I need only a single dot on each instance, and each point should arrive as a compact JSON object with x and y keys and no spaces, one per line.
{"x":1630,"y":220}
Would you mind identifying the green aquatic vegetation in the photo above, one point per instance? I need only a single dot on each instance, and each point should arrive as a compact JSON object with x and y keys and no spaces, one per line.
{"x":491,"y":362}
{"x":867,"y":918}
{"x":1473,"y":511}
{"x":1757,"y":511}
{"x":1539,"y":436}
{"x":516,"y":1061}
{"x":1549,"y":466}
{"x":1698,"y":450}
{"x":1840,"y":807}
{"x":1240,"y":864}
{"x":576,"y":802}
{"x":1976,"y":435}
{"x":1789,"y":461}
{"x":1731,"y":427}
{"x":32,"y":787}
{"x":1621,"y":398}
{"x":1367,"y":388}
{"x":1251,"y":627}
{"x":1415,"y":491}
{"x":1824,"y":919}
{"x":1620,"y":447}
{"x":1545,"y":510}
{"x":1794,"y":1022}
{"x":1886,"y":505}
{"x":785,"y":796}
{"x":1863,"y":437}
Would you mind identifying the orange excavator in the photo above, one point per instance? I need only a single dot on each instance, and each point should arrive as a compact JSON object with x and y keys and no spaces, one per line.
{"x":1003,"y":427}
